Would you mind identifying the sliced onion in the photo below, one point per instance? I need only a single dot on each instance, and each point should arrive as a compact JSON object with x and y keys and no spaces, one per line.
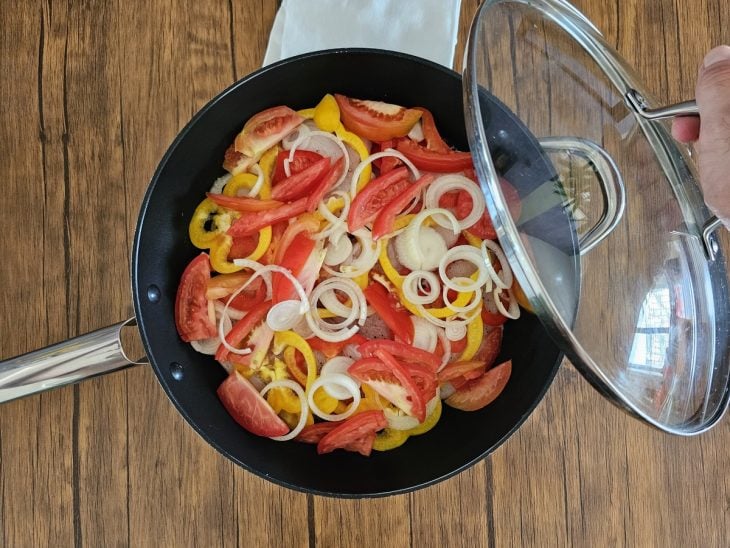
{"x":284,"y":315}
{"x":232,"y":313}
{"x":338,"y":252}
{"x":369,"y":253}
{"x":455,"y":331}
{"x":291,"y":385}
{"x":466,"y":253}
{"x":219,"y":183}
{"x":292,"y":136}
{"x":334,"y":379}
{"x":421,"y":248}
{"x":446,"y":345}
{"x":450,"y":183}
{"x":389,"y":152}
{"x":335,"y":332}
{"x":475,"y":301}
{"x":338,"y":364}
{"x":413,"y":287}
{"x":447,"y":234}
{"x":514,"y":308}
{"x":319,"y":142}
{"x":416,"y":133}
{"x":425,"y":334}
{"x":210,"y":345}
{"x":337,"y":225}
{"x":398,"y":421}
{"x":505,"y":280}
{"x":256,"y":188}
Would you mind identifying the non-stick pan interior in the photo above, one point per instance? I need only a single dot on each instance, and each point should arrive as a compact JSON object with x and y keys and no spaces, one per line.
{"x":162,"y":250}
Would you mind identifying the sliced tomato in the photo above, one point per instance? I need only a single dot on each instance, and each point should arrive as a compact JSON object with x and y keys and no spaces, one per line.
{"x":424,"y":379}
{"x":467,"y":369}
{"x":401,"y":351}
{"x":265,"y":129}
{"x":242,"y":328}
{"x":458,"y":346}
{"x":376,"y":120}
{"x":253,"y":295}
{"x":315,"y":432}
{"x":376,"y":194}
{"x":302,"y":183}
{"x":243,"y":246}
{"x":362,"y":445}
{"x":248,"y":408}
{"x":351,"y":431}
{"x":325,"y":183}
{"x":386,"y":306}
{"x":244,"y":204}
{"x":388,"y":163}
{"x":223,"y":285}
{"x":482,"y":391}
{"x":493,"y":319}
{"x":191,"y":305}
{"x":386,"y":218}
{"x":253,"y":222}
{"x":430,"y":133}
{"x":332,"y":349}
{"x":301,"y":160}
{"x":490,"y":347}
{"x":392,"y":381}
{"x":293,"y":259}
{"x":431,"y":160}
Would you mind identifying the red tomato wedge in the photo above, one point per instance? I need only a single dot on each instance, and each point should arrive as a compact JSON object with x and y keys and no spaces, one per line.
{"x":424,"y":379}
{"x":191,"y":304}
{"x":431,"y":160}
{"x":376,"y":194}
{"x":325,"y":183}
{"x":315,"y":432}
{"x":294,"y":258}
{"x":302,"y":160}
{"x":248,"y":408}
{"x":489,"y":349}
{"x":469,"y":369}
{"x":392,"y":381}
{"x":242,"y":329}
{"x":265,"y":129}
{"x":332,"y":349}
{"x":223,"y":285}
{"x":387,"y":163}
{"x":386,"y":218}
{"x":376,"y":120}
{"x":302,"y":183}
{"x":401,"y":351}
{"x":397,"y":319}
{"x":483,"y":390}
{"x":351,"y":432}
{"x":253,"y":222}
{"x":243,"y":204}
{"x":430,"y":133}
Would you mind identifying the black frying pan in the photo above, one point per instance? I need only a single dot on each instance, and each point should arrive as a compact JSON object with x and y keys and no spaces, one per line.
{"x":162,"y":250}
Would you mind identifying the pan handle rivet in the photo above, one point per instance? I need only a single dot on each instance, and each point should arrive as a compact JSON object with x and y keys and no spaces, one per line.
{"x":153,"y":293}
{"x":176,"y":370}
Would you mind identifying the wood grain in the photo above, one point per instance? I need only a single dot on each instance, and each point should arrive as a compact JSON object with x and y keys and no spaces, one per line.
{"x":93,"y":93}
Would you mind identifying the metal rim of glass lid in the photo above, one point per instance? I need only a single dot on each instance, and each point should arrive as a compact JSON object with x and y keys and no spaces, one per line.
{"x":612,"y":243}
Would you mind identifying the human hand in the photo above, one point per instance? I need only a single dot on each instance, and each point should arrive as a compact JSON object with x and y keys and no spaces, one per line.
{"x":712,"y":134}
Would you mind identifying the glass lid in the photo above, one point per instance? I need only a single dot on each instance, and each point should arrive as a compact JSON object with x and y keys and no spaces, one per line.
{"x":612,"y":243}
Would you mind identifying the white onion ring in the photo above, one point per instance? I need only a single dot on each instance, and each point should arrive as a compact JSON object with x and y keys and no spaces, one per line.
{"x":219,"y":183}
{"x":455,"y":332}
{"x":505,"y":280}
{"x":291,"y":385}
{"x":292,"y":136}
{"x":256,"y":188}
{"x":388,"y":152}
{"x":324,"y":135}
{"x":411,"y":243}
{"x":335,"y":332}
{"x":284,"y":315}
{"x":425,"y":334}
{"x":446,"y":345}
{"x":514,"y":309}
{"x":475,"y":301}
{"x":466,"y":253}
{"x":336,"y":224}
{"x":412,"y":286}
{"x":370,"y":251}
{"x":338,"y":251}
{"x":233,"y":313}
{"x":449,"y":183}
{"x":339,"y":379}
{"x":338,"y":364}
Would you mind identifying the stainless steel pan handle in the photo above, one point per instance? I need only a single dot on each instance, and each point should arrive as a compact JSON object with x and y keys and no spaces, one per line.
{"x":67,"y":362}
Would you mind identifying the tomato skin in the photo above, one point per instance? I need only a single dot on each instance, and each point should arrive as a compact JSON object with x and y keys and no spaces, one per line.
{"x":397,"y":320}
{"x":315,"y":432}
{"x":376,"y":194}
{"x":243,"y":327}
{"x":191,"y":304}
{"x":375,"y":120}
{"x":400,"y":350}
{"x":458,"y":369}
{"x":362,"y":425}
{"x":223,"y":285}
{"x":253,"y":222}
{"x":425,"y":380}
{"x":265,"y":129}
{"x":386,"y":218}
{"x":430,"y":133}
{"x":302,"y":160}
{"x":332,"y":349}
{"x":431,"y":160}
{"x":482,"y":391}
{"x":389,"y":163}
{"x":300,"y":184}
{"x":248,"y":408}
{"x":328,"y":179}
{"x":253,"y":295}
{"x":242,"y":203}
{"x":293,"y":258}
{"x":492,"y":319}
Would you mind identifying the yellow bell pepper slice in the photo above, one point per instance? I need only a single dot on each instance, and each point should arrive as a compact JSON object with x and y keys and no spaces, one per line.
{"x":362,"y":280}
{"x":327,"y":114}
{"x":471,"y":239}
{"x":324,"y":401}
{"x":388,"y":439}
{"x":429,"y":423}
{"x":208,"y":222}
{"x":219,"y":249}
{"x":282,"y":339}
{"x":266,"y":163}
{"x":306,"y":113}
{"x":474,"y":336}
{"x":358,"y":146}
{"x":238,"y":183}
{"x":388,"y":269}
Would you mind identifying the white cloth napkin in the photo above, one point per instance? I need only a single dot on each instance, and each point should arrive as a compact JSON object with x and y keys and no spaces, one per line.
{"x":426,"y":28}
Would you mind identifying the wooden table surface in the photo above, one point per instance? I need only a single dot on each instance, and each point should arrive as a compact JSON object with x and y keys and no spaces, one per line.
{"x":92,"y":94}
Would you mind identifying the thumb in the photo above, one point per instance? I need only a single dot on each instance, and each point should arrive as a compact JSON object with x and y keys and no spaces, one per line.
{"x":713,"y":100}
